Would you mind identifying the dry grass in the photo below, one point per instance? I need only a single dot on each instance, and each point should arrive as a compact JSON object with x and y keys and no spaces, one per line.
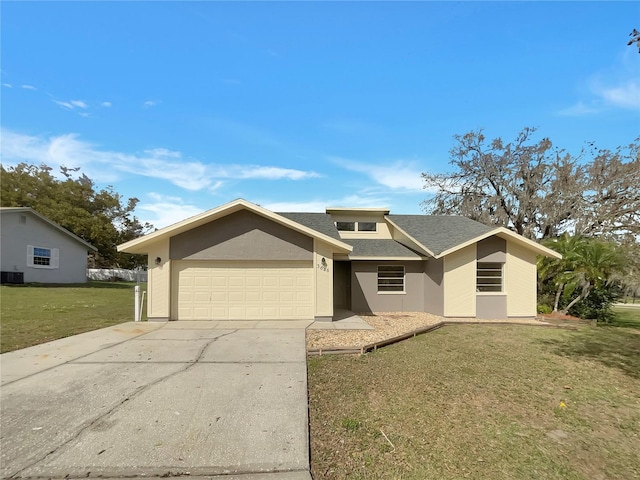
{"x":481,"y":402}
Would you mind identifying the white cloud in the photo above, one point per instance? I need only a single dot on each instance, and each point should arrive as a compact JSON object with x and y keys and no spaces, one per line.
{"x":84,"y":114}
{"x":150,"y":103}
{"x":71,"y":104}
{"x":615,"y":87}
{"x":28,"y":87}
{"x":624,"y":95}
{"x":66,"y":105}
{"x":163,"y":210}
{"x":578,"y":110}
{"x":8,"y":85}
{"x":106,"y":104}
{"x":107,"y":166}
{"x":396,"y":175}
{"x":269,"y":173}
{"x":319,"y":205}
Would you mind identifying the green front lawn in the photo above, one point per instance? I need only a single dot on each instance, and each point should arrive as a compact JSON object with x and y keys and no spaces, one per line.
{"x":627,"y":316}
{"x":481,"y":402}
{"x":33,"y":314}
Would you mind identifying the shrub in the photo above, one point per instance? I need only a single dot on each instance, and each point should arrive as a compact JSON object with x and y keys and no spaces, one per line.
{"x":544,"y":309}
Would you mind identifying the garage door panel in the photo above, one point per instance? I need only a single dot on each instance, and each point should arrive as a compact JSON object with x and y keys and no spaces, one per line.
{"x":253,"y":296}
{"x":236,"y":290}
{"x":200,"y":297}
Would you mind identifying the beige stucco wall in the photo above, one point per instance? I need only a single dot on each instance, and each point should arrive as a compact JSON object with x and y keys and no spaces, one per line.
{"x":323,"y":279}
{"x":520,"y":281}
{"x":382,"y":229}
{"x":460,"y":283}
{"x":159,"y":286}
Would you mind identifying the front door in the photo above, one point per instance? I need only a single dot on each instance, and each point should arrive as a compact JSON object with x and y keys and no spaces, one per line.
{"x":342,"y":285}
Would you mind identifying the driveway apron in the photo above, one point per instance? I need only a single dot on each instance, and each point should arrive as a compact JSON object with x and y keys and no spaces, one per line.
{"x":172,"y":399}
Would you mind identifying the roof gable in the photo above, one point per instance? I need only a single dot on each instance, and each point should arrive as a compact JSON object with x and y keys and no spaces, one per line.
{"x":139,"y":245}
{"x":49,"y":223}
{"x":444,"y":234}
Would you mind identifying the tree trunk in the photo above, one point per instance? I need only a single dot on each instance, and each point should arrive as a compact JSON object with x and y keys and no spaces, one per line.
{"x":558,"y":293}
{"x":585,"y":293}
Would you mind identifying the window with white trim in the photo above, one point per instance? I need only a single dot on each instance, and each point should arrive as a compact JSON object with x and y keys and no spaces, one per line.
{"x":390,"y":278}
{"x":42,"y":257}
{"x":489,"y":277}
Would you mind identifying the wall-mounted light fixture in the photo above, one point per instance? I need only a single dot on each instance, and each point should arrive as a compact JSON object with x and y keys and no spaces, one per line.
{"x":158,"y":260}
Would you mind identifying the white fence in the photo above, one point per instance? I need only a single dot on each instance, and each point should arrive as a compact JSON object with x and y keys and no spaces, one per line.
{"x":116,"y":273}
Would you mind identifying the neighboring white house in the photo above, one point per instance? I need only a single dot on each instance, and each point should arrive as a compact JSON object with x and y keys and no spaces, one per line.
{"x":33,"y":249}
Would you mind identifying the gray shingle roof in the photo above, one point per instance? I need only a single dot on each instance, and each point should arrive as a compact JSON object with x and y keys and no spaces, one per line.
{"x":378,"y":247}
{"x":320,"y":222}
{"x":438,"y":232}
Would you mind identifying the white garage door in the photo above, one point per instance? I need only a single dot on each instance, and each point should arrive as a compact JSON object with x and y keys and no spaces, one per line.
{"x":208,"y":290}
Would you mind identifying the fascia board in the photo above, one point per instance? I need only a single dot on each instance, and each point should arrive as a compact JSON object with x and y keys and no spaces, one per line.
{"x":417,"y":243}
{"x":395,"y":259}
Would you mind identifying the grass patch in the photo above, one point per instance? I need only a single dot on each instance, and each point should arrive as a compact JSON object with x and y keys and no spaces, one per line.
{"x":34,"y":314}
{"x":628,"y":317}
{"x":481,"y":402}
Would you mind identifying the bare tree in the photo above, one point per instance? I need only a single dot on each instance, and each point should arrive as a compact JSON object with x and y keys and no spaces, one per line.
{"x":635,"y":38}
{"x":539,"y":191}
{"x":531,"y":188}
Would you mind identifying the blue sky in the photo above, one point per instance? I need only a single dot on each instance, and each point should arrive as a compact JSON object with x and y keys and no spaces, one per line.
{"x":298,"y":106}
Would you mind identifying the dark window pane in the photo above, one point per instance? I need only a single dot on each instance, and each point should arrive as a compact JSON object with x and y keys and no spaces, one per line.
{"x":346,"y":226}
{"x":367,"y":226}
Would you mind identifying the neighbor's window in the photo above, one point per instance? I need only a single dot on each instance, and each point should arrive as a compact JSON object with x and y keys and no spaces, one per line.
{"x":40,"y":257}
{"x":366,"y":226}
{"x":390,"y":278}
{"x":346,"y":226}
{"x":489,"y":277}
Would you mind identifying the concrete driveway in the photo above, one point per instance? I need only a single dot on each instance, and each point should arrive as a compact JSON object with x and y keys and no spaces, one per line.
{"x":159,"y":399}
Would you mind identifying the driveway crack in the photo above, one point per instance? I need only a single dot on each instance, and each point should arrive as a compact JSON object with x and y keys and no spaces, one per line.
{"x":137,"y":392}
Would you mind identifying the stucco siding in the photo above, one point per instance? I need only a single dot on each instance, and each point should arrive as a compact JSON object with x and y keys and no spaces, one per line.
{"x":434,"y":286}
{"x":491,"y":306}
{"x":16,"y":235}
{"x":159,"y":286}
{"x":364,"y":288}
{"x":323,"y":279}
{"x":242,"y":236}
{"x":492,"y":249}
{"x":520,"y":281}
{"x":460,"y":283}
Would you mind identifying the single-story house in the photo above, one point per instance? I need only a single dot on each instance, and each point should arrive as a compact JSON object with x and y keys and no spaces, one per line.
{"x":242,"y":261}
{"x":34,"y":249}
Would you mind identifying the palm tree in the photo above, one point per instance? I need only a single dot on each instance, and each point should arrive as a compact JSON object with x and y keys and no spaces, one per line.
{"x":586,"y":263}
{"x":594,"y":264}
{"x":557,"y":270}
